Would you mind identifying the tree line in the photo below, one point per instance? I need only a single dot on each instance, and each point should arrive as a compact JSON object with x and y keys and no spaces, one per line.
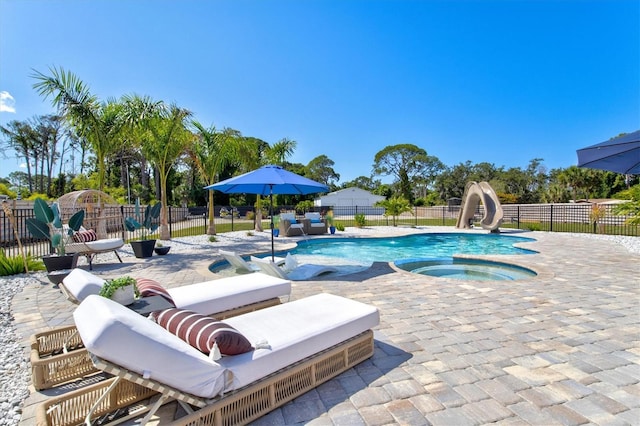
{"x":137,"y":147}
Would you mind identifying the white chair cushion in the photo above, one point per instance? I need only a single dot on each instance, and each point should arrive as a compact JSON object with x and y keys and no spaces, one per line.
{"x":313,"y":216}
{"x":105,"y":244}
{"x":228,"y":293}
{"x":294,"y":331}
{"x":121,"y":336}
{"x":79,"y":284}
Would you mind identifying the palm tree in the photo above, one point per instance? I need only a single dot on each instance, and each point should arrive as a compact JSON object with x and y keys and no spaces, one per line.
{"x":91,"y":119}
{"x":280,"y":151}
{"x":167,"y":140}
{"x":136,"y":113}
{"x":394,"y":207}
{"x":211,"y":153}
{"x":274,"y":154}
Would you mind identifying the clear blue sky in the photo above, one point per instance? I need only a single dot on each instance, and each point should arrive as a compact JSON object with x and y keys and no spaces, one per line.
{"x":497,"y":81}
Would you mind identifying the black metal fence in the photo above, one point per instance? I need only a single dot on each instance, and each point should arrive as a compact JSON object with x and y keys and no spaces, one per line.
{"x":581,"y":218}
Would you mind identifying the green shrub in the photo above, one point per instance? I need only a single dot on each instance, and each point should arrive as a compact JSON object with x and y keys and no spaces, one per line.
{"x":304,"y":206}
{"x":250,"y":233}
{"x":535,"y":226}
{"x":15,"y":265}
{"x":360,"y":220}
{"x":340,"y":226}
{"x":250,"y":215}
{"x":212,"y":239}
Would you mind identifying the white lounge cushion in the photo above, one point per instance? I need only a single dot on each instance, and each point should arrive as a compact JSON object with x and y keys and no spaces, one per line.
{"x":228,"y":293}
{"x":105,"y":244}
{"x":294,"y":331}
{"x":121,"y":336}
{"x":80,"y":283}
{"x":205,"y":298}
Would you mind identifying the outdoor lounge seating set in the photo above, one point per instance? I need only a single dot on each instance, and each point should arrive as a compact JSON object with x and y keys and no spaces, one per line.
{"x":229,"y":372}
{"x":311,"y":224}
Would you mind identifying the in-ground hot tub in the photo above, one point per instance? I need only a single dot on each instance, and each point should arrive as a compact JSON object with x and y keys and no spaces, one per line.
{"x":465,"y":269}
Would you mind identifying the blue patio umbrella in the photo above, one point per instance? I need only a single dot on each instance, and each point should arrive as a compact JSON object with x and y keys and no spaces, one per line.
{"x":620,"y":155}
{"x":269,"y":180}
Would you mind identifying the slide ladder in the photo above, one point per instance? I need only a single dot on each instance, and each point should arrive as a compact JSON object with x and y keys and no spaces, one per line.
{"x":474,"y":194}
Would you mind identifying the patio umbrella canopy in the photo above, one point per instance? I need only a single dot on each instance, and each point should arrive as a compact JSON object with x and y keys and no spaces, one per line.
{"x":620,"y":155}
{"x":269,"y":180}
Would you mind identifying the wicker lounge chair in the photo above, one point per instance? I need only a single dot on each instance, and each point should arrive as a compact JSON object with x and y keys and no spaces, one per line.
{"x":314,"y":224}
{"x":309,"y":340}
{"x":58,"y":355}
{"x":289,"y":226}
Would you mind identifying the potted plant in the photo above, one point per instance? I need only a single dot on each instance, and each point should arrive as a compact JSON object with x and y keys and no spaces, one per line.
{"x":47,"y":224}
{"x":161,"y":249}
{"x":329,"y":219}
{"x":144,"y":247}
{"x":122,"y":290}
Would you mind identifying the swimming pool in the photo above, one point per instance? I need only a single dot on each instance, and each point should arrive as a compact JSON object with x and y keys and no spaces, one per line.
{"x":411,"y":246}
{"x":351,"y":255}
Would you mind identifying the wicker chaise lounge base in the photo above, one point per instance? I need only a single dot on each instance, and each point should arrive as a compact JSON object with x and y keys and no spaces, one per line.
{"x":294,"y":347}
{"x":239,"y":407}
{"x":58,"y":356}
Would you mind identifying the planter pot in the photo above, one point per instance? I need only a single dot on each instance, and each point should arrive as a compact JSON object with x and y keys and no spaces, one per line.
{"x":162,"y":250}
{"x":55,"y":263}
{"x":144,"y":248}
{"x":56,"y":277}
{"x":332,"y":229}
{"x":276,"y":232}
{"x":124,"y":295}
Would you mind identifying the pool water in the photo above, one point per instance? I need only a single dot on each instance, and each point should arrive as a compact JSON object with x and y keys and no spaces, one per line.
{"x":351,"y":255}
{"x":468,"y":269}
{"x":411,"y":246}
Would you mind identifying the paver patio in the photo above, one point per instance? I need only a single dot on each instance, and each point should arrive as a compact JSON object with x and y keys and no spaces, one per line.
{"x":560,"y":348}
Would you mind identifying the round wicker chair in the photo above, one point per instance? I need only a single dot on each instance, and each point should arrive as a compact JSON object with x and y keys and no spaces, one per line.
{"x":103,"y":214}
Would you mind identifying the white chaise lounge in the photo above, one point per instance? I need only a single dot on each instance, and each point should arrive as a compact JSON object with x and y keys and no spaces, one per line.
{"x":58,"y":356}
{"x":309,"y":341}
{"x":241,"y":265}
{"x":208,"y":298}
{"x":293,"y":272}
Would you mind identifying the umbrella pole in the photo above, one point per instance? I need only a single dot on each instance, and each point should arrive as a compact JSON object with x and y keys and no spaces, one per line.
{"x":273,"y":256}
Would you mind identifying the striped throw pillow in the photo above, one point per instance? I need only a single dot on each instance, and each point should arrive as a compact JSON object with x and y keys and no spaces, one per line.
{"x":208,"y":335}
{"x":85,"y":236}
{"x":148,"y":288}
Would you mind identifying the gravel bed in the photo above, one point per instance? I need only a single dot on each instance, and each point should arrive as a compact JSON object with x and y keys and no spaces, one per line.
{"x":15,"y":372}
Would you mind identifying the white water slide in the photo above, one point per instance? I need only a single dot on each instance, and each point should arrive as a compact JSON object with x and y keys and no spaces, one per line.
{"x":474,"y":194}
